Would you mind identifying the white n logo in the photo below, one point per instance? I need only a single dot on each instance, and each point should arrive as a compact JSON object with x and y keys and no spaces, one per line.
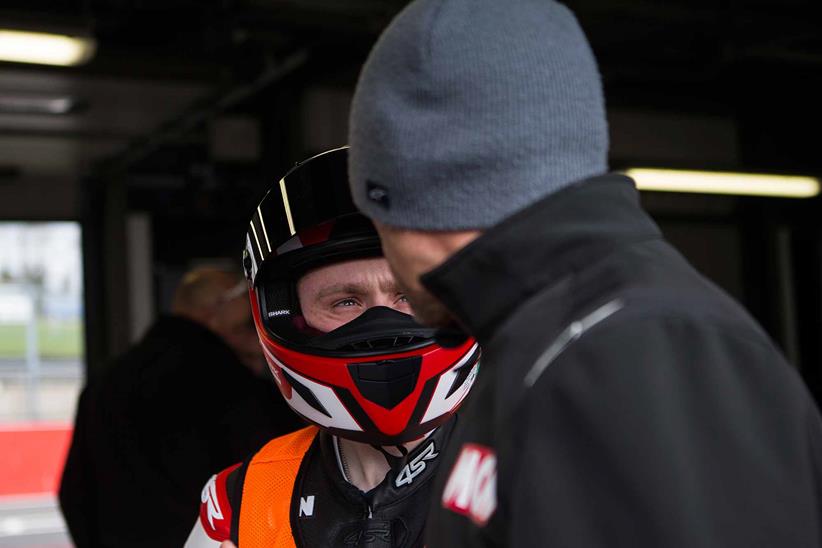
{"x":307,"y":506}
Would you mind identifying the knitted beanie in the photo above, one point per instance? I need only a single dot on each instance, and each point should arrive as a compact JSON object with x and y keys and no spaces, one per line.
{"x":467,"y":111}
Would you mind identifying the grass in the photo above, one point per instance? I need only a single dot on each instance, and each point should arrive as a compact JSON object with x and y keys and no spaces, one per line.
{"x":62,"y":339}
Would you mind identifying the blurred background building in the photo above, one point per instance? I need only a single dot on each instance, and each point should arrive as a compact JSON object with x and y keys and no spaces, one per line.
{"x":138,"y":150}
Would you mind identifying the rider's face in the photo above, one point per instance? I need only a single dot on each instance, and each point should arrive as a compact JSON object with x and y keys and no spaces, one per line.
{"x":333,"y":295}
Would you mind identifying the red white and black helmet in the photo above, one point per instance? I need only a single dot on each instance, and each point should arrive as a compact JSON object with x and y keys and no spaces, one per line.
{"x":381,"y":378}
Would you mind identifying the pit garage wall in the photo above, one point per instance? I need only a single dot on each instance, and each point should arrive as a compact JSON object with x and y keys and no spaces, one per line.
{"x":38,"y":199}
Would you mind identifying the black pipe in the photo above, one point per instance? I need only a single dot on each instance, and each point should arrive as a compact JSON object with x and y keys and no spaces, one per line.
{"x":202,"y":110}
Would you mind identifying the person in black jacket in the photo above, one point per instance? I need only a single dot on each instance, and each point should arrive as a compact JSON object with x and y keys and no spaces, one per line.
{"x":623,"y":399}
{"x":188,"y":398}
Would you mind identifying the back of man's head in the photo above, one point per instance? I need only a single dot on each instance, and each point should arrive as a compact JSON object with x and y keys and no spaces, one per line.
{"x":200,"y":292}
{"x":218,"y":299}
{"x":469,"y":110}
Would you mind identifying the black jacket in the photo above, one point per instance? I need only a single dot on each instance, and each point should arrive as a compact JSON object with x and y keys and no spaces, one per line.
{"x":151,"y":431}
{"x":623,"y":400}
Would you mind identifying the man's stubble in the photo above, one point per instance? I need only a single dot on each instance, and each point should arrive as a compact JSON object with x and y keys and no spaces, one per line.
{"x":428,"y":310}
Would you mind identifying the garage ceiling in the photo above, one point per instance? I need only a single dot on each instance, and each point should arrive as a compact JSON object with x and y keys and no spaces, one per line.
{"x":157,"y":57}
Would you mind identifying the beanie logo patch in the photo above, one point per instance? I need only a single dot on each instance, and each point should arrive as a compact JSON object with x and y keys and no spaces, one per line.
{"x":378,"y":194}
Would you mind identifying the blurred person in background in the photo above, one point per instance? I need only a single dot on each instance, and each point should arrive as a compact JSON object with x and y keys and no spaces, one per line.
{"x":190,"y":397}
{"x":381,"y":390}
{"x":624,"y":400}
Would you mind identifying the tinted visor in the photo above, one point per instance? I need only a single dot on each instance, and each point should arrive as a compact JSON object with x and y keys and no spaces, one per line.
{"x":311,"y":195}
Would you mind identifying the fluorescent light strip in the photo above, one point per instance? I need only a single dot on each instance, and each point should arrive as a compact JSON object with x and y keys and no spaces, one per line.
{"x":714,"y":182}
{"x":44,"y":48}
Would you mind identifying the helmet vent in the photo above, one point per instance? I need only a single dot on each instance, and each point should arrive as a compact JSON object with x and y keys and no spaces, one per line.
{"x":383,"y":343}
{"x":386,"y":382}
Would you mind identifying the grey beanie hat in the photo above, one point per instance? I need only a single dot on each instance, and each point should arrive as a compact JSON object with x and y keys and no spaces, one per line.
{"x":467,"y":111}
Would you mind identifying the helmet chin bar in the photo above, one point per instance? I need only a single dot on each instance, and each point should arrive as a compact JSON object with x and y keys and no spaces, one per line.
{"x":441,"y":396}
{"x":424,"y":387}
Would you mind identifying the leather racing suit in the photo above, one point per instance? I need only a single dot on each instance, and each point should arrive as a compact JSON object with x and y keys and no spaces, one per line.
{"x":294,"y":493}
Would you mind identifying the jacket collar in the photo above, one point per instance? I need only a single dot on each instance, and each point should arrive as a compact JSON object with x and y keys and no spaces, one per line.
{"x":486,"y":281}
{"x":410,"y":474}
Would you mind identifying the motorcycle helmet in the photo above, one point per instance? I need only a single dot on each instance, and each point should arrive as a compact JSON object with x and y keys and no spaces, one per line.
{"x":381,"y":378}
